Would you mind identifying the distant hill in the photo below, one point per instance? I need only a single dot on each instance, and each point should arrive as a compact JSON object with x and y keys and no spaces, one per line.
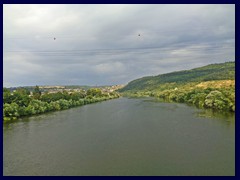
{"x":221,"y":71}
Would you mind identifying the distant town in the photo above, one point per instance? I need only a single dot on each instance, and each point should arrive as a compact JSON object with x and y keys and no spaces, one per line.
{"x":69,"y":89}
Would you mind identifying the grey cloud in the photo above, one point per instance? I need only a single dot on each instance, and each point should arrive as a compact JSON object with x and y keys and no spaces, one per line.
{"x":99,"y":44}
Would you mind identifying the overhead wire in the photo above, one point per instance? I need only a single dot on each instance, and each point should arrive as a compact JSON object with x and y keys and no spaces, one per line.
{"x":116,"y":51}
{"x":132,"y":34}
{"x":123,"y":52}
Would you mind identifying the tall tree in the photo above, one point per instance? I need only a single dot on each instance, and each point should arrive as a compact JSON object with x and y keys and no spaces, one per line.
{"x":36,"y":92}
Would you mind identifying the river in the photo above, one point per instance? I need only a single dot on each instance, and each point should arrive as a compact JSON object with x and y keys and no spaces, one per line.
{"x":121,"y":137}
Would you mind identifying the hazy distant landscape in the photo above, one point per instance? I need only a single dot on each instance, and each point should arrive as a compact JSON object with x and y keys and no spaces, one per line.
{"x":119,"y":89}
{"x":211,"y":87}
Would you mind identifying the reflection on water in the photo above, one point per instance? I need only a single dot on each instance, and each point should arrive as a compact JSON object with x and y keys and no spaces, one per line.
{"x":122,"y":137}
{"x":228,"y":117}
{"x":209,"y":113}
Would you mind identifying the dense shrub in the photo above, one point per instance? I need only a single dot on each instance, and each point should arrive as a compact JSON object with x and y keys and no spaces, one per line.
{"x":20,"y":103}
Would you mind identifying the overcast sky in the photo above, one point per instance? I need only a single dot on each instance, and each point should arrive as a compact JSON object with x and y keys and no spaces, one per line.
{"x":111,"y":44}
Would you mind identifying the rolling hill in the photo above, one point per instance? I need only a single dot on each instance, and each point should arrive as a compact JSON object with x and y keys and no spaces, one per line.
{"x":211,"y":86}
{"x":221,"y":71}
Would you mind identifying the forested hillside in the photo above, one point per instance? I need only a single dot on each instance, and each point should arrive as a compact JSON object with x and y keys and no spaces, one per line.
{"x":222,"y":71}
{"x":211,"y":86}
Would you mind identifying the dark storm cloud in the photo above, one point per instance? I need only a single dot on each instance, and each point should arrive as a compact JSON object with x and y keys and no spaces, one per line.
{"x":100,"y":44}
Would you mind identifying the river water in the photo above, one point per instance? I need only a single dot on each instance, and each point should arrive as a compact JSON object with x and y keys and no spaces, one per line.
{"x":121,"y":137}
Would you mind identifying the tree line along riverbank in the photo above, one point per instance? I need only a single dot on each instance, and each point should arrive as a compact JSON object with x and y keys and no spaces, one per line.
{"x":209,"y":95}
{"x":211,"y":86}
{"x":20,"y":103}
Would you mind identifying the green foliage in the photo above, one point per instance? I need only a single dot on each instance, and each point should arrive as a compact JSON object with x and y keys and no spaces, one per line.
{"x":182,"y":87}
{"x":217,"y":100}
{"x":7,"y":97}
{"x":220,"y":71}
{"x":94,"y":92}
{"x":10,"y":111}
{"x":19,"y":96}
{"x":20,"y":103}
{"x":36,"y":93}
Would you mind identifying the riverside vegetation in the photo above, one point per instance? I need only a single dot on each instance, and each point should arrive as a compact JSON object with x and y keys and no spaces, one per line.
{"x":211,"y":86}
{"x":20,"y":103}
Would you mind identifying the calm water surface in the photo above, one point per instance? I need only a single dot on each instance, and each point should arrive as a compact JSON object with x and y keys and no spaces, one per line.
{"x":122,"y":137}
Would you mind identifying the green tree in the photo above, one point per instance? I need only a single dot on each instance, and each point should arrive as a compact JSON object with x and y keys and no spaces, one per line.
{"x":216,"y":100}
{"x":10,"y":111}
{"x":7,"y":97}
{"x":21,"y":97}
{"x":36,"y":93}
{"x":95,"y":92}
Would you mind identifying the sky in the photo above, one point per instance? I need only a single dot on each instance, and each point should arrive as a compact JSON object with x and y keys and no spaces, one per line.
{"x":113,"y":44}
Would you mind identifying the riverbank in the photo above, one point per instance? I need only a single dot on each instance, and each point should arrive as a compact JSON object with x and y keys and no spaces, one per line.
{"x":217,"y":95}
{"x":123,"y":136}
{"x":20,"y":104}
